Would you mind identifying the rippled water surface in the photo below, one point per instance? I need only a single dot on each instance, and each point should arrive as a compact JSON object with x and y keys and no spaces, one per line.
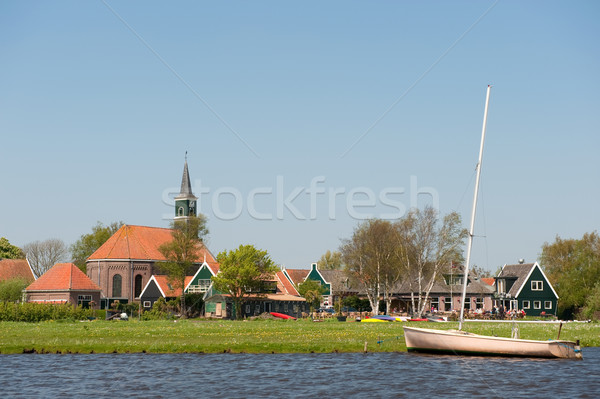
{"x":372,"y":375}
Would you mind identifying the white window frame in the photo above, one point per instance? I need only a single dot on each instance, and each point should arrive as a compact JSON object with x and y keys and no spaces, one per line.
{"x":537,"y":304}
{"x":501,"y":286}
{"x":147,"y":304}
{"x":547,"y":304}
{"x":526,"y":304}
{"x":537,"y":285}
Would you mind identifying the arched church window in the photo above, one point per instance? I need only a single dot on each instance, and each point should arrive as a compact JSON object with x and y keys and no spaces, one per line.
{"x":116,"y":288}
{"x":180,"y":211}
{"x":138,"y":286}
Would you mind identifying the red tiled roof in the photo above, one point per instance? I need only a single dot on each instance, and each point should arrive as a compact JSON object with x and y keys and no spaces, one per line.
{"x":288,"y":287}
{"x":488,"y":280}
{"x":167,"y":288}
{"x":15,"y":268}
{"x":63,"y":276}
{"x":142,"y":242}
{"x":297,"y":275}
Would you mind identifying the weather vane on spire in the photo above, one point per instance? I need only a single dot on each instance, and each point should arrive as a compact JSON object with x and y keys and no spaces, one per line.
{"x":186,"y":156}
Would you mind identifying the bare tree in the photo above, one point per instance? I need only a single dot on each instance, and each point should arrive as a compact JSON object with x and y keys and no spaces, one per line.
{"x":372,"y":257}
{"x":42,"y":255}
{"x":428,"y":245}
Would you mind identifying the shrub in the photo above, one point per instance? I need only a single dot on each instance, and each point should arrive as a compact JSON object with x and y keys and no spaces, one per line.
{"x":34,"y":312}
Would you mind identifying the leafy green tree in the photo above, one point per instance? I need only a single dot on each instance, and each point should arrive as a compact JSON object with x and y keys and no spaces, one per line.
{"x":242,"y":273}
{"x":312,"y":291}
{"x":591,"y":307}
{"x":331,"y":261}
{"x":89,"y":243}
{"x":573,"y":268}
{"x":42,"y":255}
{"x":12,"y":290}
{"x":183,"y":252}
{"x":9,"y":251}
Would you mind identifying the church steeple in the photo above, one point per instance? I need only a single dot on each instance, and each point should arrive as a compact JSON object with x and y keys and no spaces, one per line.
{"x":185,"y":202}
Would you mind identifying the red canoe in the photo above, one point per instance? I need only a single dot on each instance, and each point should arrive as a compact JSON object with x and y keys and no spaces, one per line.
{"x":282,"y":316}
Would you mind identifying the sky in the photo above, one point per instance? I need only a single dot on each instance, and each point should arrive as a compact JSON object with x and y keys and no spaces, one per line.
{"x":300,"y":120}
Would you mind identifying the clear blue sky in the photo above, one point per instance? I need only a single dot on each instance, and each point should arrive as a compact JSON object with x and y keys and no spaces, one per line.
{"x":100,"y":101}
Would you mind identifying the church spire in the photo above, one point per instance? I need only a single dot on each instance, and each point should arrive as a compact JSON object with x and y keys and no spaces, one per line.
{"x":186,"y":185}
{"x":185,"y":202}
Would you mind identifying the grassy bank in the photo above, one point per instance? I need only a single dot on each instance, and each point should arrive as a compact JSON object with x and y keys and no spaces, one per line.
{"x":266,"y":336}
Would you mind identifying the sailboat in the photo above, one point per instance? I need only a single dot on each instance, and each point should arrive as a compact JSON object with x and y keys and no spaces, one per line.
{"x":459,"y":342}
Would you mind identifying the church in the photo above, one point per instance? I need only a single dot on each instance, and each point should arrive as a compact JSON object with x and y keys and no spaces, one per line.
{"x":125,"y":263}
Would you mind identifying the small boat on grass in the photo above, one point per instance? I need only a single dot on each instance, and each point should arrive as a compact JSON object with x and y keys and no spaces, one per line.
{"x":282,"y":316}
{"x":374,"y":320}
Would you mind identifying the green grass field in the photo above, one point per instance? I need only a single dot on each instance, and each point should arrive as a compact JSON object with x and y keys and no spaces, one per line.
{"x":264,"y":336}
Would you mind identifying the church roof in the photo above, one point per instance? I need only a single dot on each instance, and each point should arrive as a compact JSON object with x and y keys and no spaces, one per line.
{"x":15,"y":268}
{"x":61,"y":277}
{"x":142,"y":243}
{"x":186,"y":185}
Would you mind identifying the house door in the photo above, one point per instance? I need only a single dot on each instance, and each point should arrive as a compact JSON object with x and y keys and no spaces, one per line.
{"x":268,"y":307}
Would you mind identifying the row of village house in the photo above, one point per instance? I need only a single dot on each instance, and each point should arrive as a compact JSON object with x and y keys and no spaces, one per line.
{"x":124,"y":269}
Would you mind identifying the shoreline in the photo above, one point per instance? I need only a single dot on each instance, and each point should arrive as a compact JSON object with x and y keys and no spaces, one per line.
{"x":249,"y":337}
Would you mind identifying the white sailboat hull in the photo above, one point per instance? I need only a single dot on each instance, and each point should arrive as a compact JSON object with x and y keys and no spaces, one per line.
{"x":463,"y":343}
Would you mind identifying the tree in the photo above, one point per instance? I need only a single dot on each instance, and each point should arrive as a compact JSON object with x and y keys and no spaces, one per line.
{"x":372,"y":256}
{"x":427,"y":246}
{"x":89,"y":243}
{"x":11,"y":290}
{"x":242,"y":273}
{"x":42,"y":255}
{"x":182,"y":252}
{"x":573,"y":268}
{"x":9,"y":251}
{"x":483,"y":273}
{"x":312,"y":291}
{"x":330,"y":261}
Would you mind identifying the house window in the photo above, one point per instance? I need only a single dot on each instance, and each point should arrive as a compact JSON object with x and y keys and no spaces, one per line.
{"x":537,"y":286}
{"x":447,"y":304}
{"x":257,"y":309}
{"x":435,"y":303}
{"x":526,"y":304}
{"x":138,"y":286}
{"x":84,"y":297}
{"x":116,"y":288}
{"x":147,"y":304}
{"x":247,"y":309}
{"x":547,"y":304}
{"x":537,"y":304}
{"x":479,"y":303}
{"x":501,"y":286}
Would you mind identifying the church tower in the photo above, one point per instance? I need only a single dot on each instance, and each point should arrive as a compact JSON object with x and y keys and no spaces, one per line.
{"x":185,"y":202}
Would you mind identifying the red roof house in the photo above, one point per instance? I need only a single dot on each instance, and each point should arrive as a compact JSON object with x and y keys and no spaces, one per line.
{"x":16,"y":268}
{"x":64,"y":282}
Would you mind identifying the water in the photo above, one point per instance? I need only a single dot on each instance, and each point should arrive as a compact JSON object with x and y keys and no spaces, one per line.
{"x":372,"y":375}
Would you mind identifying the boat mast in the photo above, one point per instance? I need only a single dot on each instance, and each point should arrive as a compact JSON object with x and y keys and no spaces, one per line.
{"x":475,"y":195}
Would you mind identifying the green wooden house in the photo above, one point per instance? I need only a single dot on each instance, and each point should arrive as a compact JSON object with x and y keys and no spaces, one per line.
{"x":524,"y":286}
